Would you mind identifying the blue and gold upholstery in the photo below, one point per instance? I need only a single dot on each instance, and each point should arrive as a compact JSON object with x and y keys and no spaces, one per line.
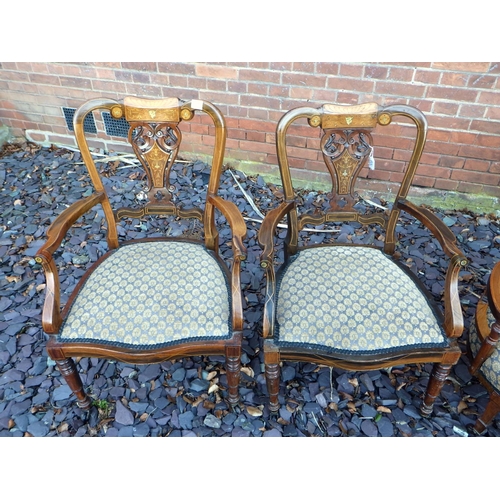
{"x":490,"y":369}
{"x":353,"y":299}
{"x":151,"y":294}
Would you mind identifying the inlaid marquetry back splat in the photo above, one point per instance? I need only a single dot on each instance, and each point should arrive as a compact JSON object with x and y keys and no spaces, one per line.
{"x":346,"y":146}
{"x":155,"y":138}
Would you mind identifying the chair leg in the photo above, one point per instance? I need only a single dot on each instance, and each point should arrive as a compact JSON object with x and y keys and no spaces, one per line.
{"x":272,"y":369}
{"x":436,"y":382}
{"x":492,"y":408}
{"x":72,"y":377}
{"x":233,"y":366}
{"x":273,"y":385}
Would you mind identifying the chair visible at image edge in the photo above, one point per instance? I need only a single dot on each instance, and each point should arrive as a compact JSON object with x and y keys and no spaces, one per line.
{"x":484,"y":350}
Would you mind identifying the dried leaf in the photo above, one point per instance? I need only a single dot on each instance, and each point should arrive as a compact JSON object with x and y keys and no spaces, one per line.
{"x":353,"y":381}
{"x":18,"y":202}
{"x":63,"y":427}
{"x":248,"y":371}
{"x":11,"y":424}
{"x":197,"y":401}
{"x":144,"y":417}
{"x":383,"y":409}
{"x":346,"y":395}
{"x":213,"y":388}
{"x":11,"y":279}
{"x":333,"y":406}
{"x":254,"y":411}
{"x":462,"y":406}
{"x":351,"y":406}
{"x":208,"y":405}
{"x":41,"y":287}
{"x":211,"y":375}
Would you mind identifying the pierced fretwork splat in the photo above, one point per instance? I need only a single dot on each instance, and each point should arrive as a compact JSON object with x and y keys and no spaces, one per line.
{"x":345,"y":152}
{"x":156,"y":145}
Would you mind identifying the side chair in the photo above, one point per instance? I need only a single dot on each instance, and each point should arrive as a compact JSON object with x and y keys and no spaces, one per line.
{"x":153,"y":299}
{"x":347,"y":305}
{"x":484,"y":349}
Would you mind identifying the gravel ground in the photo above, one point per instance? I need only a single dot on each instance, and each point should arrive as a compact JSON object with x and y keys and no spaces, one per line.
{"x":173,"y":398}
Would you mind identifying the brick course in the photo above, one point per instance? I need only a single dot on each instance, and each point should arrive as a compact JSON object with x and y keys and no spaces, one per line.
{"x":460,"y":100}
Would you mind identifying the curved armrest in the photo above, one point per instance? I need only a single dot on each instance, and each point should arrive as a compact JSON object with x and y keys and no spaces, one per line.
{"x":442,"y":232}
{"x":453,"y":315}
{"x":239,"y":231}
{"x":236,"y":221}
{"x":266,"y":232}
{"x":51,"y":315}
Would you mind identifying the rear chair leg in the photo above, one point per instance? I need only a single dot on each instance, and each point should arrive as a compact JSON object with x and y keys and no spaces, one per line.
{"x":233,"y":366}
{"x":436,"y":382}
{"x":72,"y":377}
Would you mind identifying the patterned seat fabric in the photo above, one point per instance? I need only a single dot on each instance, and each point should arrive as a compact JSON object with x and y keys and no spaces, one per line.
{"x":345,"y":299}
{"x":149,"y":294}
{"x":490,"y":369}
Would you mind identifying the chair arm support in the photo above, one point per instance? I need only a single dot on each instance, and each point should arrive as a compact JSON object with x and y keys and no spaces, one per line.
{"x":236,"y":221}
{"x":239,"y":231}
{"x":51,"y":315}
{"x":266,"y":232}
{"x":453,"y":315}
{"x":442,"y":233}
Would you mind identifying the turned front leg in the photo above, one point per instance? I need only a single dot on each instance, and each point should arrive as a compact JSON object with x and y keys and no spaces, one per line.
{"x":72,"y":377}
{"x":436,"y":382}
{"x":272,"y":369}
{"x":233,"y":367}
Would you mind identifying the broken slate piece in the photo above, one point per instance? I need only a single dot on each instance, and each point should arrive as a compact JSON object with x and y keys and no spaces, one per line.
{"x":123,"y":415}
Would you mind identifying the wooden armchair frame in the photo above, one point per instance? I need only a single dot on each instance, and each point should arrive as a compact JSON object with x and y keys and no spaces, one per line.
{"x":483,"y":346}
{"x":155,"y":138}
{"x":346,"y":146}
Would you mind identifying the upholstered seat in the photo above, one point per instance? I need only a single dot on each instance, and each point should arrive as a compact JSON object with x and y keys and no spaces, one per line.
{"x":150,"y":295}
{"x":490,"y":368}
{"x":342,"y":299}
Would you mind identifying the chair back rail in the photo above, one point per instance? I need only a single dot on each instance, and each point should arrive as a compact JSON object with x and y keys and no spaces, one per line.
{"x":346,"y":146}
{"x":156,"y":139}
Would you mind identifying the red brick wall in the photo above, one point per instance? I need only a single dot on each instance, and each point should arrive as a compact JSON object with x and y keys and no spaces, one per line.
{"x":460,"y":100}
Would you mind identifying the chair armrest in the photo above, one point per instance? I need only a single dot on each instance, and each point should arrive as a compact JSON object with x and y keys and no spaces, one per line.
{"x":453,"y":315}
{"x":51,"y":315}
{"x":442,"y":232}
{"x":236,"y":221}
{"x":239,"y":231}
{"x":267,"y":230}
